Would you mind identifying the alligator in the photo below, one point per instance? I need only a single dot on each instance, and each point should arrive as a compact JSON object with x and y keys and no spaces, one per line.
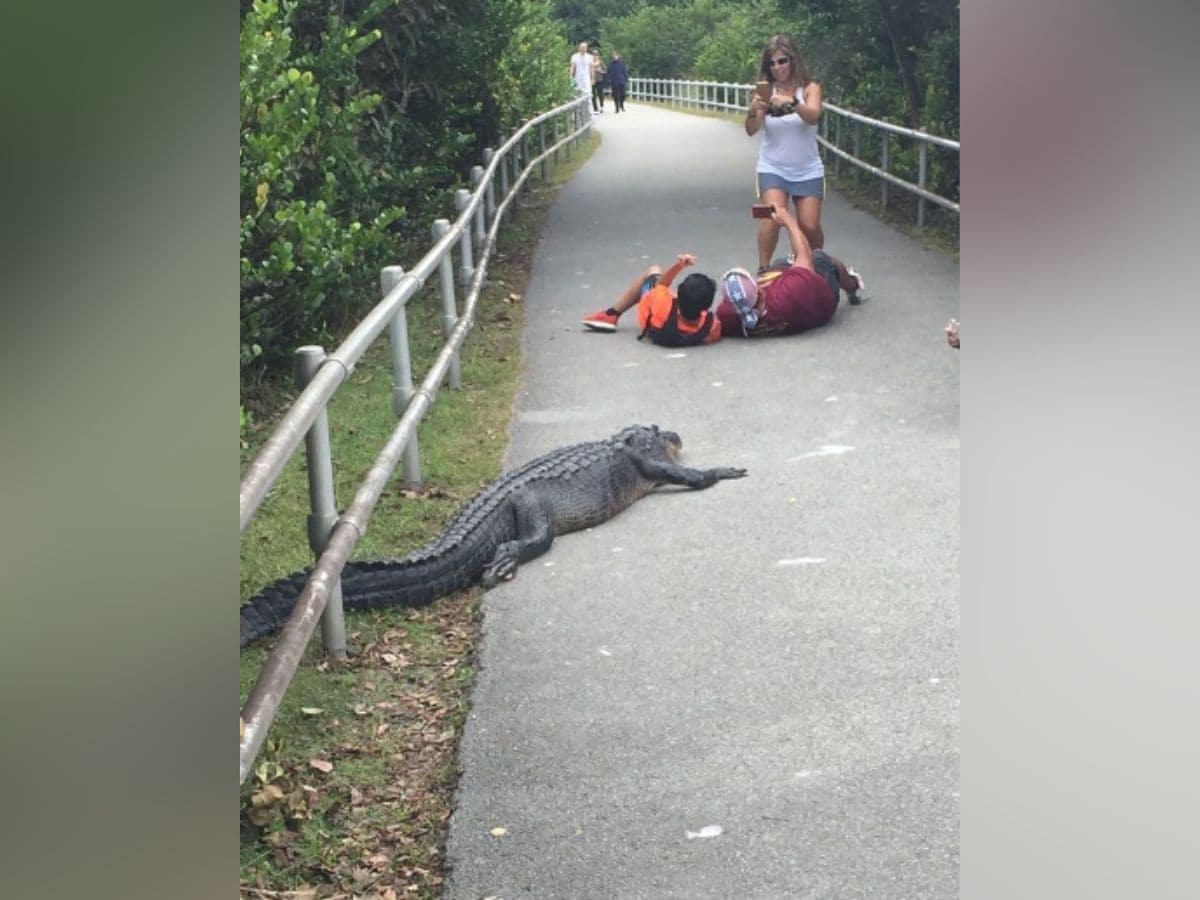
{"x":510,"y":521}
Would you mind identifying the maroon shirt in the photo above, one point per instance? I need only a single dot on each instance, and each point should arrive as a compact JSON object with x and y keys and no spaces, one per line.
{"x":797,"y":299}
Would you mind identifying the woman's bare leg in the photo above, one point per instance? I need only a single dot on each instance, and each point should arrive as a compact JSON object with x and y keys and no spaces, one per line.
{"x":768,"y":231}
{"x":808,"y":217}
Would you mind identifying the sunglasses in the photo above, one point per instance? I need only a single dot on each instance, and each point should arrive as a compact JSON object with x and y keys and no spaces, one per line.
{"x":782,"y":61}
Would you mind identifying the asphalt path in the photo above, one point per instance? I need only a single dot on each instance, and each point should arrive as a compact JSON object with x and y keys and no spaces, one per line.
{"x":749,"y":691}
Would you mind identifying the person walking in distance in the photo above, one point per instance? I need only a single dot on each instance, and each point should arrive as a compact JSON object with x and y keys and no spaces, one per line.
{"x":618,"y":78}
{"x":599,"y":81}
{"x":581,"y":69}
{"x":789,"y":164}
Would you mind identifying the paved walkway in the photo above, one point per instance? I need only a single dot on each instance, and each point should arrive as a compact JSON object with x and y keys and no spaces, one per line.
{"x":774,"y":659}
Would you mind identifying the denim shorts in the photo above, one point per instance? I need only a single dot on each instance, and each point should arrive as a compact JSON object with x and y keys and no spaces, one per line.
{"x":812,"y":187}
{"x":649,"y":283}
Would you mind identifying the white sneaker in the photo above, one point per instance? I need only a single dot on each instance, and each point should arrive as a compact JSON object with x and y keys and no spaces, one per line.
{"x":859,"y":294}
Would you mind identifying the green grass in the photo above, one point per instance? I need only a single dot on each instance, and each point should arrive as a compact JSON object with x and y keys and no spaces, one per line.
{"x":388,"y":720}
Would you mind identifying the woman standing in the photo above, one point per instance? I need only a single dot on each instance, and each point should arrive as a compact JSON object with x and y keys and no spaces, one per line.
{"x":599,"y":81}
{"x":789,"y":164}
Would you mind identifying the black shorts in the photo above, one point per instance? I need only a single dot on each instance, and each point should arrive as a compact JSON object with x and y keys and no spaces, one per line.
{"x":650,"y":282}
{"x":824,"y":267}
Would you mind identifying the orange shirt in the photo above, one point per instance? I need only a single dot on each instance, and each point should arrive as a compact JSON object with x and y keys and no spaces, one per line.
{"x":655,"y":307}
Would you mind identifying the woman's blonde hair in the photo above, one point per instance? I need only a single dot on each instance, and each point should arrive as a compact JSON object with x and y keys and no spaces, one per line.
{"x":783,"y":44}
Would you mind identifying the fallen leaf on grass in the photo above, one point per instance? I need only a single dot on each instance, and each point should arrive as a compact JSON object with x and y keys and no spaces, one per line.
{"x":321,"y":765}
{"x":262,"y":804}
{"x":311,"y":710}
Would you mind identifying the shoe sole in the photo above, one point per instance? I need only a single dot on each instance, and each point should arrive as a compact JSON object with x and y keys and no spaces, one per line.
{"x":599,"y":326}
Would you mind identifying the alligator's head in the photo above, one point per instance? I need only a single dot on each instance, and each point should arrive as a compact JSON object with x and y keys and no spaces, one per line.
{"x":647,"y":439}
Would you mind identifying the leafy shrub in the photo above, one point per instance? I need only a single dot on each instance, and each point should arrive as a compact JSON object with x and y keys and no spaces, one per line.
{"x":358,"y":122}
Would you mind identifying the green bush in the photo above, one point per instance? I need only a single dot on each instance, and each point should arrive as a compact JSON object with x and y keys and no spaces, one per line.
{"x":358,"y":122}
{"x":306,"y":220}
{"x":846,"y":45}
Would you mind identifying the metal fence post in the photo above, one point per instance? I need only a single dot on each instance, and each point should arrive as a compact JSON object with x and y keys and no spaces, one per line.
{"x":837,"y":142}
{"x":504,"y":184}
{"x":402,"y":383}
{"x":322,"y":504}
{"x":922,"y":168}
{"x":476,"y":180}
{"x":883,"y":164}
{"x":441,"y":228}
{"x":542,"y":148}
{"x":520,"y":162}
{"x":857,"y":149}
{"x":488,"y":154}
{"x":461,"y":199}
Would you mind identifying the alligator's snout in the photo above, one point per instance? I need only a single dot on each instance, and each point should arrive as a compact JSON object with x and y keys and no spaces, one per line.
{"x":673,"y":441}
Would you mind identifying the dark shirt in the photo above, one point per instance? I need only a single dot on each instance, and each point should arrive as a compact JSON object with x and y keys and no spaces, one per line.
{"x":617,"y":73}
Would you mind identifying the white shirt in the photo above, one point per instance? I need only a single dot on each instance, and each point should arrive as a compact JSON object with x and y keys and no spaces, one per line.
{"x":789,"y":148}
{"x":581,"y":71}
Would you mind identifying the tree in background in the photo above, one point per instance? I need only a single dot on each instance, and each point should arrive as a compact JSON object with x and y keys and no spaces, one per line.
{"x":358,"y":121}
{"x":895,"y":60}
{"x":892,"y":59}
{"x":360,"y":118}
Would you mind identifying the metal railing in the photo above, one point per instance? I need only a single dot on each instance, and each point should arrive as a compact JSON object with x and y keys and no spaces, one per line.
{"x":482,"y":212}
{"x":736,"y":97}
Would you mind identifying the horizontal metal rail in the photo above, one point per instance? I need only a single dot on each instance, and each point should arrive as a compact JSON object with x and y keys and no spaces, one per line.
{"x":279,"y":668}
{"x":730,"y":96}
{"x":888,"y":176}
{"x":269,"y":462}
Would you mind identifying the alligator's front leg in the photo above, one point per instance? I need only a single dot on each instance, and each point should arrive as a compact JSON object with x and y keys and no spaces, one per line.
{"x":670,"y":473}
{"x":535,"y":534}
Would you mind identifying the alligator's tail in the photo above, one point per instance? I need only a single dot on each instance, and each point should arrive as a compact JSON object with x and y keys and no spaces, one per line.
{"x":364,"y":585}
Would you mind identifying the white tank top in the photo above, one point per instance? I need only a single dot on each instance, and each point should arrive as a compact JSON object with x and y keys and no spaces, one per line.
{"x":789,"y":148}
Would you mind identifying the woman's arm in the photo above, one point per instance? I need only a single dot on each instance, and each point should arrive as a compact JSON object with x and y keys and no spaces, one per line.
{"x":810,"y":109}
{"x":754,"y":115}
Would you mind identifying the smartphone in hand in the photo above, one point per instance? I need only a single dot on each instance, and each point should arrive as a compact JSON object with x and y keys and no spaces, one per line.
{"x":761,"y":210}
{"x":763,"y":90}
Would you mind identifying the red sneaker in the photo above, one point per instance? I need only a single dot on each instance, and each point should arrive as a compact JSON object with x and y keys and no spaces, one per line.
{"x":600,"y":321}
